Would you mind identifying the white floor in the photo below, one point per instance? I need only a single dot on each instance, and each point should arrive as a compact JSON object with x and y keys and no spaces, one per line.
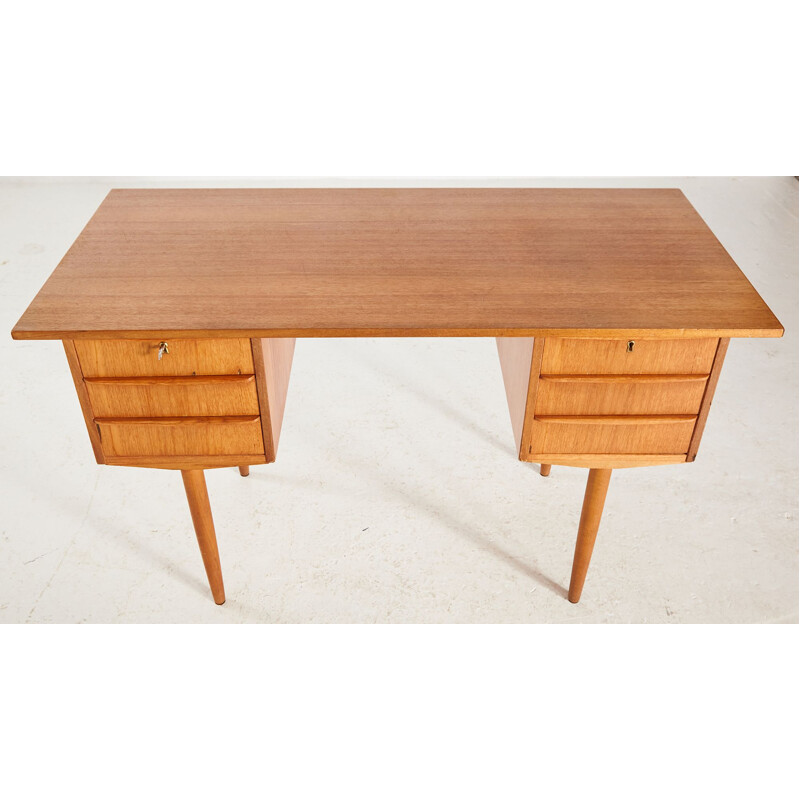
{"x":397,"y":496}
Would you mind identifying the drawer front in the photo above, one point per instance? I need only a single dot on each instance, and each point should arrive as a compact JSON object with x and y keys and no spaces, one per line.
{"x":612,"y":435}
{"x":619,"y":394}
{"x":612,"y":356}
{"x":122,"y":358}
{"x":181,"y":436}
{"x":217,"y":396}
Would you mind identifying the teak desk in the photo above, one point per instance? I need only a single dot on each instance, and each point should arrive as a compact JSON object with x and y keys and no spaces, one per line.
{"x":179,"y":309}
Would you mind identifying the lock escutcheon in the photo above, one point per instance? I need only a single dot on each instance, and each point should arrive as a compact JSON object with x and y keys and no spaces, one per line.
{"x":629,"y":348}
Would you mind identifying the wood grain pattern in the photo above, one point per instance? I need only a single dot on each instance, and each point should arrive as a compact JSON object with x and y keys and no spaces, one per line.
{"x":620,"y":394}
{"x":515,"y":364}
{"x":396,"y":262}
{"x":617,"y":435}
{"x":705,"y":407}
{"x":83,"y":399}
{"x":194,"y":483}
{"x":216,"y":396}
{"x":611,"y":356}
{"x":117,"y":358}
{"x":181,"y":436}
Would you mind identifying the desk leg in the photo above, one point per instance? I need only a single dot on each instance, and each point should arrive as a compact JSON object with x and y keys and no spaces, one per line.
{"x":544,"y":470}
{"x":593,"y":502}
{"x":194,"y":481}
{"x":244,"y":471}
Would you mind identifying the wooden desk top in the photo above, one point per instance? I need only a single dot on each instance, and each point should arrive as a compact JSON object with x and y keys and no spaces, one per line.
{"x":396,"y":262}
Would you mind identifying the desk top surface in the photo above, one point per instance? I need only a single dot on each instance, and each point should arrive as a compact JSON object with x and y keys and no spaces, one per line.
{"x":396,"y":262}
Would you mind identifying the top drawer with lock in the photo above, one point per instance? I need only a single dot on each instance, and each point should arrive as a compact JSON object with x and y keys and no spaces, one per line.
{"x":628,"y":356}
{"x":123,"y":358}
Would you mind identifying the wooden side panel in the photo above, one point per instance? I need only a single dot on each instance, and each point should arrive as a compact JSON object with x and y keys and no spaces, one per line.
{"x":272,"y":363}
{"x":620,"y":394}
{"x":515,"y":364}
{"x":612,"y":435}
{"x":533,"y":391}
{"x":278,"y":356}
{"x":705,"y":407}
{"x":611,"y":356}
{"x":83,"y":397}
{"x":122,"y":358}
{"x":217,"y":396}
{"x":181,"y":436}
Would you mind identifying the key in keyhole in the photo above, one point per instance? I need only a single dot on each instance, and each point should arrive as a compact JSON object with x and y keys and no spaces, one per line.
{"x":163,"y":349}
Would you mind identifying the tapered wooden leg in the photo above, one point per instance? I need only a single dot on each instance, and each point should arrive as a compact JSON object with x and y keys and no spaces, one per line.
{"x":593,"y":502}
{"x":194,"y":481}
{"x":244,"y":471}
{"x":544,"y":470}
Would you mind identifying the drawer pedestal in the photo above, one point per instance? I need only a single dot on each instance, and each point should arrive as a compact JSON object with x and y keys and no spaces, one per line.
{"x":606,"y":404}
{"x":188,"y":405}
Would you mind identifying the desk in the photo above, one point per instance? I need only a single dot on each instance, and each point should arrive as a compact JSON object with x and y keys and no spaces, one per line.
{"x":179,"y":309}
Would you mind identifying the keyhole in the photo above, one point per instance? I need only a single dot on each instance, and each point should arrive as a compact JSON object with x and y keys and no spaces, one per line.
{"x":630,"y":347}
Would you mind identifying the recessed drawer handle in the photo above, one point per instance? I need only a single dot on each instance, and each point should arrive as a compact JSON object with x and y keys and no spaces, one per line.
{"x":630,"y":346}
{"x":163,"y":350}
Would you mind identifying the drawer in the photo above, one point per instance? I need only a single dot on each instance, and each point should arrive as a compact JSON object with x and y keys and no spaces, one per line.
{"x":123,"y":358}
{"x":619,"y":394}
{"x":612,"y":435}
{"x":612,"y":357}
{"x":181,"y":436}
{"x":213,"y":396}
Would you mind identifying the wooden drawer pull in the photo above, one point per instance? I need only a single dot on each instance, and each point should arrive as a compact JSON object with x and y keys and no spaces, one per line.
{"x":665,"y":378}
{"x":173,"y":420}
{"x":178,"y":380}
{"x":619,"y":419}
